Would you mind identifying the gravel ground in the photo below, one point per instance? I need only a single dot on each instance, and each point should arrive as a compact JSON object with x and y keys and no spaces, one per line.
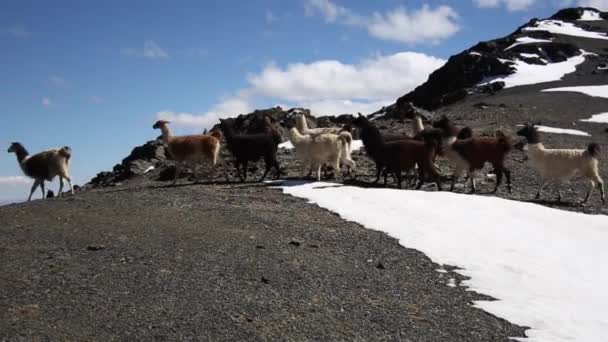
{"x":219,"y":262}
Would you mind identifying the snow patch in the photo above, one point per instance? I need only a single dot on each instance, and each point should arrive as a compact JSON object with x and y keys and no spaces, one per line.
{"x":287,"y":145}
{"x":547,"y":129}
{"x":529,"y":55}
{"x":598,"y":118}
{"x":474,"y":53}
{"x":150,"y":168}
{"x":595,"y":91}
{"x":526,"y":74}
{"x":564,"y":28}
{"x":540,"y":263}
{"x":590,"y":16}
{"x":356,"y":145}
{"x":527,"y":40}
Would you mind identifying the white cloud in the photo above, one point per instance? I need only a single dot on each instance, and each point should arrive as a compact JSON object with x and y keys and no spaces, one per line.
{"x":382,"y":77}
{"x":423,"y":25}
{"x":14,"y":181}
{"x":46,"y":102}
{"x":511,"y":5}
{"x":57,"y":81}
{"x":226,"y":108}
{"x":599,"y":4}
{"x":328,"y":87}
{"x":151,"y":50}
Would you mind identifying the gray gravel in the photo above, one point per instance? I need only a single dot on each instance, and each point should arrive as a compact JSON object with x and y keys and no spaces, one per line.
{"x":219,"y":262}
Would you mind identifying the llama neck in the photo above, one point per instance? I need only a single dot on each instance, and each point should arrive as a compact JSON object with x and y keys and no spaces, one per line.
{"x":167,"y":134}
{"x":418,"y":126}
{"x":301,"y":123}
{"x":295,"y":136}
{"x":21,"y":153}
{"x":372,"y":138}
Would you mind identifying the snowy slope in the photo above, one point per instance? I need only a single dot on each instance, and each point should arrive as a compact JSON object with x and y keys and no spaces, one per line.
{"x":545,"y":266}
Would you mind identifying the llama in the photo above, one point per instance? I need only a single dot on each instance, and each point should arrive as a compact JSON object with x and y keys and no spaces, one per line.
{"x":44,"y":166}
{"x":563,"y":164}
{"x":460,"y":132}
{"x":471,"y":154}
{"x":251,"y":147}
{"x":346,"y":159}
{"x":401,"y":155}
{"x":315,"y":150}
{"x":191,"y":149}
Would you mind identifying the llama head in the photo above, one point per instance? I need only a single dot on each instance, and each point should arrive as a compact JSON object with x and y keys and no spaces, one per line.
{"x":15,"y":146}
{"x":289,"y":123}
{"x":360,"y":121}
{"x":530,"y":132}
{"x":160,"y":123}
{"x":443,"y":123}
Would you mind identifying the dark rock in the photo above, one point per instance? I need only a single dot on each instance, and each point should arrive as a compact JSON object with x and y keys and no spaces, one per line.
{"x":264,"y":280}
{"x":295,"y":243}
{"x":380,"y":266}
{"x":50,"y":194}
{"x":95,"y":248}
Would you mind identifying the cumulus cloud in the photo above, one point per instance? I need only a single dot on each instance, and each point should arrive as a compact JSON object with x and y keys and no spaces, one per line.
{"x":228,"y":107}
{"x":46,"y":102}
{"x":381,"y":77}
{"x":511,"y":5}
{"x":423,"y":25}
{"x":150,"y":50}
{"x":599,"y":4}
{"x":327,"y":87}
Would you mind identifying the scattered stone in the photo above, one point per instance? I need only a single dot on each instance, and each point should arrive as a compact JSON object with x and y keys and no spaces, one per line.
{"x":380,"y":266}
{"x":50,"y":194}
{"x":264,"y":280}
{"x":96,"y":247}
{"x":295,"y":243}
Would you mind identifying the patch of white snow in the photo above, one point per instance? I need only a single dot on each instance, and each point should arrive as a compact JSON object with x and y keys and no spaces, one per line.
{"x":540,"y":263}
{"x":590,"y":16}
{"x":526,"y":74}
{"x":564,"y":28}
{"x":554,"y":130}
{"x":595,"y":91}
{"x":527,"y":40}
{"x":287,"y":145}
{"x":598,"y":118}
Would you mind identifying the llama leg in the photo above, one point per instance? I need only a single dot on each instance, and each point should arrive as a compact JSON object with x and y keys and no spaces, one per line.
{"x":601,"y":186}
{"x":267,"y":165}
{"x":455,"y":177}
{"x":178,"y":171}
{"x":34,"y":187}
{"x":498,"y":171}
{"x":277,"y":168}
{"x":338,"y":172}
{"x":507,"y":173}
{"x":473,"y":175}
{"x":42,"y":189}
{"x":244,"y":171}
{"x":386,"y":175}
{"x":589,"y":192}
{"x":399,"y":179}
{"x":542,"y":185}
{"x":378,"y":171}
{"x":60,"y":186}
{"x":420,"y":178}
{"x":319,"y":172}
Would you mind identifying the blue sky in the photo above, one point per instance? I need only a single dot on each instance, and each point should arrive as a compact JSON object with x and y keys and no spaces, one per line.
{"x":96,"y":76}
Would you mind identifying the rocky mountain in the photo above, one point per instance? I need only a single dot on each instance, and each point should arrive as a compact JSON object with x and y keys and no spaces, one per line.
{"x":491,"y":66}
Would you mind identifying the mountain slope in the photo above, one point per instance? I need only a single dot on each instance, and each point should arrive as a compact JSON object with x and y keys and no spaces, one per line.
{"x":572,"y":39}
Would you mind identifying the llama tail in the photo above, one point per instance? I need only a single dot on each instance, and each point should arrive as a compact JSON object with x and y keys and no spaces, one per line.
{"x":345,"y":137}
{"x":594,"y":150}
{"x":465,"y":133}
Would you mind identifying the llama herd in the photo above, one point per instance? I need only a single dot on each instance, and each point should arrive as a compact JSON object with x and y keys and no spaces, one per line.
{"x":332,"y":146}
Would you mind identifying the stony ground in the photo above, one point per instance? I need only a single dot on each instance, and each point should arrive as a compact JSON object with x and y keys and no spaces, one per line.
{"x":219,"y":262}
